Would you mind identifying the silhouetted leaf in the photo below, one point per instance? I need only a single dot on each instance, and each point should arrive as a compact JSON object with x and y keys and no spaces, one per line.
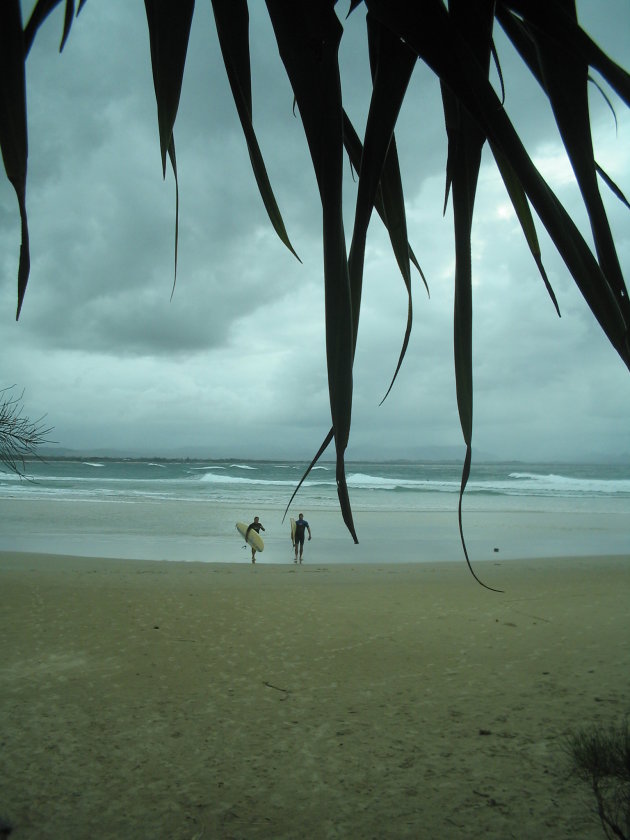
{"x":392,"y":64}
{"x":169,"y":30}
{"x":325,"y":444}
{"x":452,"y":59}
{"x":40,"y":12}
{"x":171,"y":154}
{"x":551,"y":18}
{"x":524,"y":215}
{"x":389,"y":202}
{"x":565,"y":77}
{"x":13,"y":131}
{"x":612,"y":185}
{"x":308,"y":41}
{"x":232,"y":20}
{"x":606,"y":99}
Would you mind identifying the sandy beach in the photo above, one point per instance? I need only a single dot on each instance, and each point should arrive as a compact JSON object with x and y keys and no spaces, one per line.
{"x":188,"y":700}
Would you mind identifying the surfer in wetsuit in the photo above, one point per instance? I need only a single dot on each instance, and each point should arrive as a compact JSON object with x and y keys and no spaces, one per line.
{"x":300,"y":526}
{"x":257,"y":526}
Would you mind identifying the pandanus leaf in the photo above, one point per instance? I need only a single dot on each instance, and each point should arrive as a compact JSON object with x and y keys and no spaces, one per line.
{"x":563,"y":74}
{"x":451,"y":58}
{"x":465,"y":143}
{"x":566,"y":83}
{"x":325,"y":444}
{"x":13,"y":130}
{"x":173,"y":160}
{"x":523,"y":213}
{"x":169,"y":31}
{"x":605,"y":97}
{"x":40,"y":12}
{"x":391,"y":64}
{"x":389,"y":203}
{"x":232,"y":20}
{"x":612,"y":186}
{"x":551,"y":17}
{"x":308,"y":39}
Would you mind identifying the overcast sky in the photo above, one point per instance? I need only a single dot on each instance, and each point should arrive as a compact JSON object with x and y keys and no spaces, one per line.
{"x":234,"y":364}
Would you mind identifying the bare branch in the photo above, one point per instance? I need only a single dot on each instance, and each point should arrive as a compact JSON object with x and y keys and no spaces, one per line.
{"x":19,"y":436}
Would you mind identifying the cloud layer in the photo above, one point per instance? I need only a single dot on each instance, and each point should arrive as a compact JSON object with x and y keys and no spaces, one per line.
{"x":234,"y":363}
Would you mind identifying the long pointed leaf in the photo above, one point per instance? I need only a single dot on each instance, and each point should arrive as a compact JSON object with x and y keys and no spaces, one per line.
{"x":465,"y":142}
{"x":451,"y":58}
{"x":524,"y":215}
{"x":232,"y":20}
{"x":67,"y":23}
{"x":389,"y":202}
{"x":464,"y":482}
{"x":171,"y":154}
{"x":565,"y":77}
{"x":391,"y":189}
{"x":612,"y":185}
{"x":325,"y":444}
{"x":308,"y":41}
{"x":552,"y":18}
{"x":392,"y":64}
{"x":13,"y":130}
{"x":606,"y":99}
{"x":40,"y":12}
{"x":169,"y":31}
{"x":562,"y":71}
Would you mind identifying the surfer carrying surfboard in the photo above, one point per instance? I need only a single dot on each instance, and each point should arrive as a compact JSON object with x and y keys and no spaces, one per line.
{"x":257,"y":526}
{"x":301,"y":525}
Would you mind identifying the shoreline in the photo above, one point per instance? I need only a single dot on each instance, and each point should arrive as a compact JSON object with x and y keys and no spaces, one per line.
{"x":198,"y":532}
{"x":48,"y":558}
{"x":149,"y":699}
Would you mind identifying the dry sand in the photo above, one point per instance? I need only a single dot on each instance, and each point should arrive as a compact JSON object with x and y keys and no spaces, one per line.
{"x":173,"y":700}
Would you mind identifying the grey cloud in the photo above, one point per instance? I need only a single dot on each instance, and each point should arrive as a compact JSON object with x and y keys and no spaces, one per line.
{"x":104,"y":352}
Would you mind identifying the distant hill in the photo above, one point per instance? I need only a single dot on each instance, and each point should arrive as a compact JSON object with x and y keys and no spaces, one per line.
{"x":438,"y":454}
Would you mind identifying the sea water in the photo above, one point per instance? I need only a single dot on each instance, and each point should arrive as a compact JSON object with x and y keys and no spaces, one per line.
{"x":186,"y":510}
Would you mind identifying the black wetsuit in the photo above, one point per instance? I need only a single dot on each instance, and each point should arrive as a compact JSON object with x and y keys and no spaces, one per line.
{"x":300,"y":526}
{"x":256,"y":526}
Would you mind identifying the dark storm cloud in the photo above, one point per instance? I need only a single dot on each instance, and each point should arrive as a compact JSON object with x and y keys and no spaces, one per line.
{"x":113,"y":361}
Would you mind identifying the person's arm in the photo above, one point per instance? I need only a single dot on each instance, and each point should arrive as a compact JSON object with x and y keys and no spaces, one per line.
{"x":308,"y":528}
{"x":262,"y":527}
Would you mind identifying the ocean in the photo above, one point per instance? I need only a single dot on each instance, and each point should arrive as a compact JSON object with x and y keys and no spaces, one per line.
{"x":186,"y":510}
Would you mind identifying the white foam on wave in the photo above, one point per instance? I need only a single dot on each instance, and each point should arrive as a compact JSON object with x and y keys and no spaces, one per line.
{"x":211,"y":478}
{"x":553,"y":483}
{"x":92,"y":464}
{"x":243,"y":467}
{"x":363,"y":481}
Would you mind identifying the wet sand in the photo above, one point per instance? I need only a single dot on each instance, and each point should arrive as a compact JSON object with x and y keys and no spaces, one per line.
{"x":188,"y":700}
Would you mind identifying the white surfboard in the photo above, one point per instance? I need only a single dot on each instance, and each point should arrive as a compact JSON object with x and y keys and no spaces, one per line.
{"x":253,"y":538}
{"x":292,"y":520}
